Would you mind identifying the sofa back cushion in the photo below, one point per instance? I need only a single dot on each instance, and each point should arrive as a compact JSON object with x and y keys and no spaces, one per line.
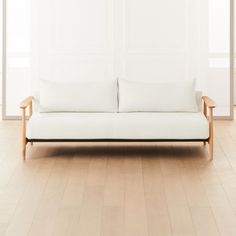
{"x":177,"y":96}
{"x":199,"y":101}
{"x":90,"y":96}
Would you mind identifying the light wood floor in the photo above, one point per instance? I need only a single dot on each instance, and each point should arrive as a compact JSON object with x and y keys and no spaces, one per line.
{"x":115,"y":189}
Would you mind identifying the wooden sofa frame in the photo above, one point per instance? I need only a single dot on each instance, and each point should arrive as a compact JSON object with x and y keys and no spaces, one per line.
{"x":208,"y":104}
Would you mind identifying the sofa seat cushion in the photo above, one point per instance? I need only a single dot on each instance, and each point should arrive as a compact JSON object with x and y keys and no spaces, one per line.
{"x":174,"y":126}
{"x":153,"y":125}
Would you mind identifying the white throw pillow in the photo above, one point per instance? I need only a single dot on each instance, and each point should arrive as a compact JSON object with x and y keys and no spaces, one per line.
{"x":179,"y":96}
{"x":89,"y":96}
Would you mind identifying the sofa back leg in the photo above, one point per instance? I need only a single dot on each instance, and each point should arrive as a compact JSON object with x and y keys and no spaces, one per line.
{"x":23,"y":152}
{"x":211,"y":150}
{"x":24,"y":141}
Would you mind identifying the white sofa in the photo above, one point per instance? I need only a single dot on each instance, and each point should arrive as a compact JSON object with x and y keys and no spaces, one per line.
{"x":117,"y":110}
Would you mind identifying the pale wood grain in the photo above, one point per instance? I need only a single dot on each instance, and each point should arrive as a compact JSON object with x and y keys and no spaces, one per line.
{"x":114,"y":192}
{"x":152,"y":175}
{"x":90,"y":221}
{"x":204,"y":221}
{"x":157,"y":214}
{"x":181,"y":220}
{"x":135,"y":206}
{"x":112,"y":221}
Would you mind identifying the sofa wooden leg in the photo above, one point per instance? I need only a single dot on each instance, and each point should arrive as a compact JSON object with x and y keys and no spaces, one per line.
{"x":204,"y":143}
{"x":23,"y":154}
{"x":211,"y":139}
{"x":24,"y":140}
{"x":211,"y":149}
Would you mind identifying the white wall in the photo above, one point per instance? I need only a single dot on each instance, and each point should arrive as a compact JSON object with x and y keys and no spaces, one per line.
{"x":74,"y":40}
{"x":134,"y":39}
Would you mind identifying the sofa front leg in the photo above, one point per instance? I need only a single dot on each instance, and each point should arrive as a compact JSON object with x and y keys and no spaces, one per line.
{"x":24,"y":150}
{"x":211,"y":138}
{"x":211,"y":147}
{"x":28,"y":102}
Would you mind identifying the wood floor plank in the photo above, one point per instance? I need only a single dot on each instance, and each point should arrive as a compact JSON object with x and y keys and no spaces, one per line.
{"x":90,"y":219}
{"x":63,"y":219}
{"x":174,"y":190}
{"x":11,"y":195}
{"x":97,"y":171}
{"x":112,"y":221}
{"x":157,"y":214}
{"x":168,"y":162}
{"x":114,"y":192}
{"x":74,"y":190}
{"x":135,"y":206}
{"x":152,"y":175}
{"x":26,"y":208}
{"x":204,"y":221}
{"x":181,"y":220}
{"x":225,"y":219}
{"x":43,"y":222}
{"x":194,"y":189}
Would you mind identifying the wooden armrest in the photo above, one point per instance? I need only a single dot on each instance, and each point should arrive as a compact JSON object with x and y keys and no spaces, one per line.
{"x":209,"y":102}
{"x":24,"y":104}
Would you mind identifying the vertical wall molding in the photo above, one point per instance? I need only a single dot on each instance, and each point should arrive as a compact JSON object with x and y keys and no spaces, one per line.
{"x":232,"y":57}
{"x":4,"y":45}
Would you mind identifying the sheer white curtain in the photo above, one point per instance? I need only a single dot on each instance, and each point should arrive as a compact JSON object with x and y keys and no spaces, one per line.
{"x":152,"y":40}
{"x":18,"y":54}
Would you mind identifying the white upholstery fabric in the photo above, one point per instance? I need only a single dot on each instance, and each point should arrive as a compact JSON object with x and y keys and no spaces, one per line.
{"x":118,"y":126}
{"x":177,"y":96}
{"x":88,"y":96}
